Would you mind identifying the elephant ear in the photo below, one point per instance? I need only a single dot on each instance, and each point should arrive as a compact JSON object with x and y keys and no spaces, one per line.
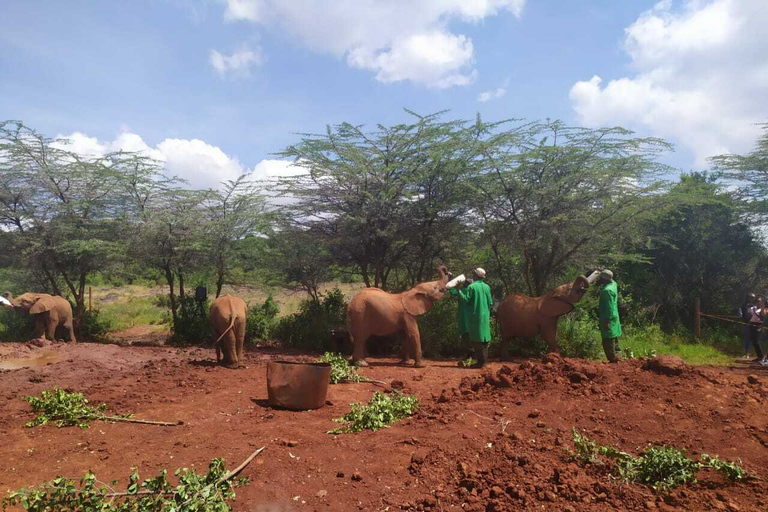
{"x":554,"y":306}
{"x":42,"y":305}
{"x":416,"y":303}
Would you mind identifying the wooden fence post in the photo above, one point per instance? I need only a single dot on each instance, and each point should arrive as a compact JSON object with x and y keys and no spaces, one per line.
{"x":697,"y":318}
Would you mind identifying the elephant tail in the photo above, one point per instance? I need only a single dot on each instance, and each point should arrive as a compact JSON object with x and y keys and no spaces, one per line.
{"x":231,"y":325}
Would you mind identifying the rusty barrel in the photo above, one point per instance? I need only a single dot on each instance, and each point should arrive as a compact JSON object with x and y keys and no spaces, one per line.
{"x":297,"y":386}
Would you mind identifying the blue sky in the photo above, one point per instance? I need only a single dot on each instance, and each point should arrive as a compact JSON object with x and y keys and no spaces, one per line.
{"x":214,"y":87}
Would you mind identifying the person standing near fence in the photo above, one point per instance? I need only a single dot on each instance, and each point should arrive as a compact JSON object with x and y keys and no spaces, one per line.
{"x":749,"y":302}
{"x":753,"y":313}
{"x":610,"y":325}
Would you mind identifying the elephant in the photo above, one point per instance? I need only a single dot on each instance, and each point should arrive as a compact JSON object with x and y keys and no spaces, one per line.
{"x":523,"y":316}
{"x":50,"y":312}
{"x":228,"y":319}
{"x":374,"y":312}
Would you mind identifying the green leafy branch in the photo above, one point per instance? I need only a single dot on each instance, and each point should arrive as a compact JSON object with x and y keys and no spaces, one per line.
{"x":68,"y":409}
{"x":662,"y":468}
{"x":380,"y":411}
{"x":341,"y":370}
{"x":194,"y":493}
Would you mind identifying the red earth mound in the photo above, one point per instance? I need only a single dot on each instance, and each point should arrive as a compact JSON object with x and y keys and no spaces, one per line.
{"x":492,"y":440}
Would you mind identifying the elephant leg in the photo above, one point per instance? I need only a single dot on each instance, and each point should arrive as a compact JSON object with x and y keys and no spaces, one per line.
{"x":218,"y":352}
{"x":229,"y":347}
{"x":40,"y":327}
{"x":406,"y":350}
{"x":414,"y":339}
{"x":71,"y":331}
{"x":240,"y":336}
{"x":359,"y":337}
{"x":549,"y":334}
{"x":505,"y":341}
{"x":50,"y":330}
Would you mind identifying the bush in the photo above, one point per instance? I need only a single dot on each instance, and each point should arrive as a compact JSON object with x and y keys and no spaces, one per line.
{"x":310,"y":328}
{"x":579,"y":336}
{"x":261,"y":320}
{"x":95,"y":326}
{"x":15,"y":325}
{"x":191,"y":326}
{"x":439,"y":329}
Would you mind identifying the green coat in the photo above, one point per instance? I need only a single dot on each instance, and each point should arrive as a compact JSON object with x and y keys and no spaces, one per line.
{"x":479,"y":302}
{"x":609,"y":312}
{"x":463,"y":312}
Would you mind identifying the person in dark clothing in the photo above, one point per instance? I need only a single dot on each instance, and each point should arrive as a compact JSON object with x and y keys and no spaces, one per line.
{"x":752,"y":314}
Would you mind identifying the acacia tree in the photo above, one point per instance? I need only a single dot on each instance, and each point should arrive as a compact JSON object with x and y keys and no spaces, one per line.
{"x":234,"y":212}
{"x":749,"y":172}
{"x":379,"y":198}
{"x":558,"y":196}
{"x":63,"y":207}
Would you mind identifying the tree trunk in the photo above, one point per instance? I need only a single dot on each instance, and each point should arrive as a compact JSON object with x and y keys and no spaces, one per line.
{"x":220,"y":268}
{"x":182,"y":293}
{"x":171,"y":296}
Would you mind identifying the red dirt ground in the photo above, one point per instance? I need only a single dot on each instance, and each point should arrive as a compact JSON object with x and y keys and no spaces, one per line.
{"x":492,"y":440}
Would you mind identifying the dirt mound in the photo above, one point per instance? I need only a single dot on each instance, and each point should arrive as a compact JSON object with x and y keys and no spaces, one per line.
{"x":551,"y":371}
{"x":666,"y":365}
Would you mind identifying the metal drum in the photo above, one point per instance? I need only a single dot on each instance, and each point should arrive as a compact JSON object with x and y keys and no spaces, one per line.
{"x":297,"y":386}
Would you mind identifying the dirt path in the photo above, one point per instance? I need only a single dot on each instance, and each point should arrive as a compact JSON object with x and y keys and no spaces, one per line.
{"x":494,"y":441}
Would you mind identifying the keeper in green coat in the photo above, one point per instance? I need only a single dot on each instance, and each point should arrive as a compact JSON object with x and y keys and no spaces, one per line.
{"x":479,"y":302}
{"x":610,"y":326}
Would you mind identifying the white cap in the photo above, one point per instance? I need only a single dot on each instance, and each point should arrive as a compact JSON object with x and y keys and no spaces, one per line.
{"x":607,"y":274}
{"x":479,"y":272}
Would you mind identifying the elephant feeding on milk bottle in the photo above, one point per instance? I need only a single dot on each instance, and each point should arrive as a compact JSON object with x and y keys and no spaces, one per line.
{"x":523,"y":316}
{"x":374,"y":312}
{"x":50,"y":312}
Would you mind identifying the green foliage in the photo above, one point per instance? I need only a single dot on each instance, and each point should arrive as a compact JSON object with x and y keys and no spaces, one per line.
{"x":661,"y":468}
{"x":380,"y":411}
{"x":730,"y":470}
{"x":579,"y":336}
{"x":95,"y":326}
{"x":193,"y":493}
{"x":261,"y":320}
{"x":65,"y":409}
{"x":191,"y":325}
{"x":468,"y":362}
{"x":341,"y":369}
{"x":15,"y":326}
{"x":135,"y":311}
{"x":310,"y":328}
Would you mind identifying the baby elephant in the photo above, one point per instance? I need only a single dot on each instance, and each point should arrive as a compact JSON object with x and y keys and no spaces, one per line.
{"x":50,"y":312}
{"x":227,"y":319}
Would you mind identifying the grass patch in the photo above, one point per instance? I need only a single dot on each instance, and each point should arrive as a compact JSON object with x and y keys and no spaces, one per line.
{"x":651,"y":339}
{"x":378,"y":413}
{"x":134,"y":311}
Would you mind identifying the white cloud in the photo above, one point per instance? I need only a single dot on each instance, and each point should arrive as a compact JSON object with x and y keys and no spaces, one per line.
{"x":491,"y":95}
{"x":701,"y":77}
{"x":239,"y":64}
{"x":398,"y":40}
{"x":201,"y":164}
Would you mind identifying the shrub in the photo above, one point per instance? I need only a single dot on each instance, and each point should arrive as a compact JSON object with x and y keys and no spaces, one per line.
{"x":15,"y":325}
{"x":95,"y":326}
{"x":261,"y":320}
{"x":579,"y":336}
{"x":439,"y":329}
{"x":191,"y":326}
{"x":310,"y":328}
